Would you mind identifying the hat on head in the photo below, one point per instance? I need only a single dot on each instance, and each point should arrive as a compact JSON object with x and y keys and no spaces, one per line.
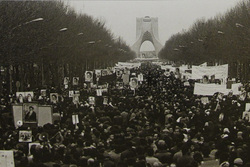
{"x":238,"y":161}
{"x":224,"y":164}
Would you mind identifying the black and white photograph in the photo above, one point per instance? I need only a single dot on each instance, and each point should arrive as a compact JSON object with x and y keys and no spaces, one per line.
{"x":125,"y":83}
{"x":66,"y":81}
{"x":20,"y":97}
{"x":75,"y":80}
{"x":89,"y":76}
{"x":53,"y":97}
{"x":43,"y":92}
{"x":29,"y":96}
{"x":25,"y":136}
{"x":30,"y":112}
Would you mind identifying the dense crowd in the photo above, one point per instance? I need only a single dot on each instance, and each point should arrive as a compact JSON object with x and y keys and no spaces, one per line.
{"x":159,"y":124}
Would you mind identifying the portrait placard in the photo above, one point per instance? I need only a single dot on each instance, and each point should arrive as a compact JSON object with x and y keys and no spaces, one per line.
{"x":104,"y":72}
{"x":247,"y":107}
{"x":20,"y":96}
{"x":92,"y":100}
{"x":25,"y":136}
{"x":71,"y":93}
{"x":17,"y":114}
{"x":29,"y":96}
{"x":133,"y":82}
{"x":88,"y":76}
{"x":75,"y":81}
{"x":53,"y":97}
{"x":66,"y":81}
{"x":246,"y":116}
{"x":30,"y":112}
{"x":43,"y":92}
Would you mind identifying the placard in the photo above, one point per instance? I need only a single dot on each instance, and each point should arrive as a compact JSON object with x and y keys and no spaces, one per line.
{"x":17,"y":110}
{"x":45,"y":115}
{"x":88,"y":76}
{"x":53,"y":97}
{"x":71,"y":93}
{"x":133,"y":82}
{"x":43,"y":92}
{"x":30,"y":112}
{"x":29,"y":96}
{"x":75,"y":81}
{"x":20,"y":96}
{"x":66,"y":81}
{"x":247,"y":107}
{"x":6,"y":158}
{"x":25,"y":136}
{"x":92,"y":100}
{"x":246,"y":116}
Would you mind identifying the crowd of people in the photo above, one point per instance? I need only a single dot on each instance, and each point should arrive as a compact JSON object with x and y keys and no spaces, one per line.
{"x":158,"y":124}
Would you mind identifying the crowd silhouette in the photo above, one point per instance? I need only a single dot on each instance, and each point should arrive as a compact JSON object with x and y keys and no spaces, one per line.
{"x":158,"y":124}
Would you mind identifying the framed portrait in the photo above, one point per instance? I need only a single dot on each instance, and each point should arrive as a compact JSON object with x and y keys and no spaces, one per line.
{"x":71,"y":93}
{"x":53,"y":97}
{"x":98,"y":73}
{"x":104,"y":72}
{"x":92,"y":100}
{"x":25,"y":136}
{"x":76,"y":98}
{"x":43,"y":92}
{"x":246,"y":116}
{"x":75,"y":80}
{"x":66,"y":81}
{"x":133,"y":82}
{"x":29,"y":96}
{"x":88,"y":76}
{"x":30,"y":112}
{"x":20,"y":96}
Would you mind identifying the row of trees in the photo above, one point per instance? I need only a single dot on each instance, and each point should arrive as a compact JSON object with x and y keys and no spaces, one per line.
{"x":43,"y":41}
{"x":223,"y":39}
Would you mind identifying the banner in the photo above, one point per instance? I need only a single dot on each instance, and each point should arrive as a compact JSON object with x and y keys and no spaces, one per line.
{"x":122,"y":65}
{"x":220,"y":72}
{"x":6,"y":158}
{"x":209,"y":89}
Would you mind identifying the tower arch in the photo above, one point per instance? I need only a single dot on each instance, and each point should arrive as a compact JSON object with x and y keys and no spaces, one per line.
{"x":146,"y":30}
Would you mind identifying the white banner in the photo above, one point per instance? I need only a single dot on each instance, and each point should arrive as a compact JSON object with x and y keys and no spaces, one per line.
{"x":6,"y":158}
{"x":209,"y":89}
{"x":220,"y":72}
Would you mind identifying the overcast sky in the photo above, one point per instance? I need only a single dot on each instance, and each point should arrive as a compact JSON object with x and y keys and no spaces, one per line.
{"x":173,"y":15}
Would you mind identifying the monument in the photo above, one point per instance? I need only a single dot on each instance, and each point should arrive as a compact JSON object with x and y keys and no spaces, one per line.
{"x":147,"y":30}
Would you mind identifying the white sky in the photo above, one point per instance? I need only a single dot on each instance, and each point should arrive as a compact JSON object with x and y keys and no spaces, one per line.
{"x":173,"y":15}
